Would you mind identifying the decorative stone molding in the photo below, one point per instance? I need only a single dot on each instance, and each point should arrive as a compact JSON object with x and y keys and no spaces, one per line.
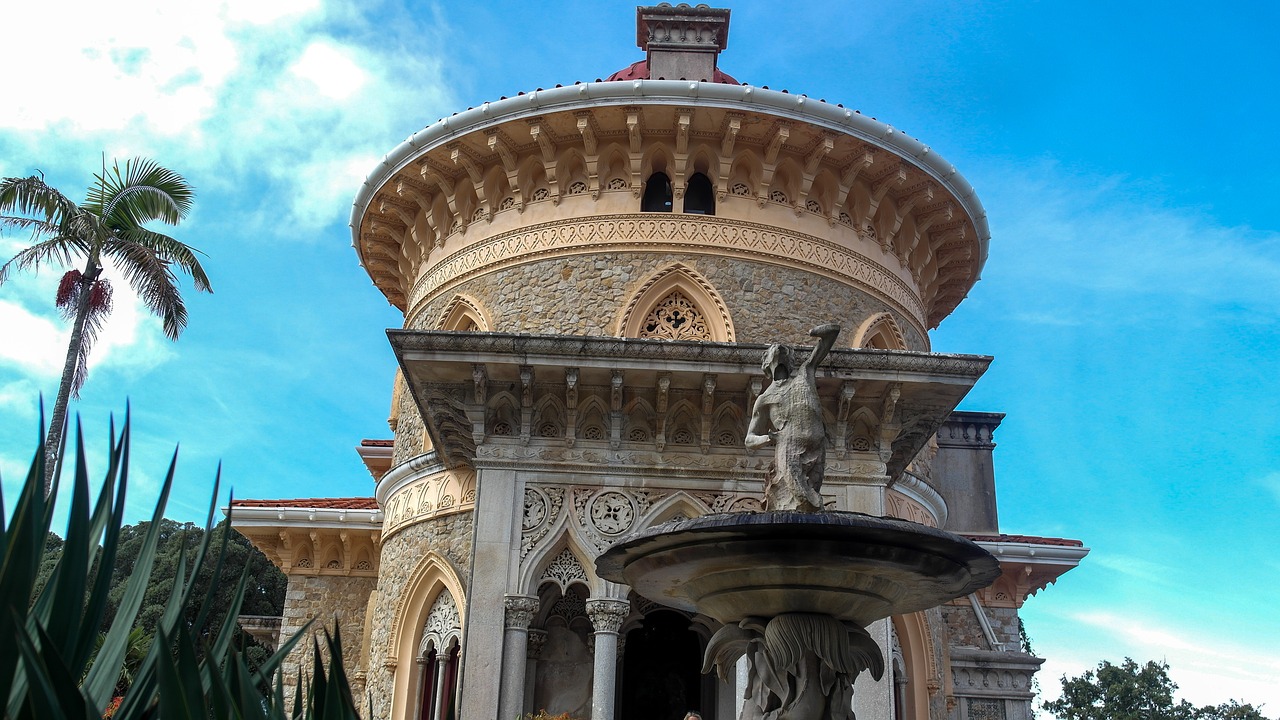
{"x":414,"y":500}
{"x":464,"y":313}
{"x":654,"y":231}
{"x":607,"y":615}
{"x":564,"y":570}
{"x":520,"y":610}
{"x":880,"y":331}
{"x":660,"y":291}
{"x":443,"y":625}
{"x":901,"y":506}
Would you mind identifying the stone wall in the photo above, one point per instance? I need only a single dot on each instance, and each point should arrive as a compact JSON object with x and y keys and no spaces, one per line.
{"x":324,"y":599}
{"x":450,"y":536}
{"x":410,"y":432}
{"x":585,"y":294}
{"x":964,"y":629}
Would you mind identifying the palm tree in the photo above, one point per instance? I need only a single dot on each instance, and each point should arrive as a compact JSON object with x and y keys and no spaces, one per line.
{"x":109,"y":224}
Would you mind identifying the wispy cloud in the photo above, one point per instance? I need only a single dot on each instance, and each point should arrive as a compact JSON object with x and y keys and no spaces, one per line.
{"x":299,"y":93}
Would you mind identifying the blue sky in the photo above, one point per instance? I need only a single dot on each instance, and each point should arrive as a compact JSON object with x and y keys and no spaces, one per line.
{"x":1125,"y":154}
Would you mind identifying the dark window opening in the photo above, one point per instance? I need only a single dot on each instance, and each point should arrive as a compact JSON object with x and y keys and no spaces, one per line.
{"x":657,"y":194}
{"x":699,"y":198}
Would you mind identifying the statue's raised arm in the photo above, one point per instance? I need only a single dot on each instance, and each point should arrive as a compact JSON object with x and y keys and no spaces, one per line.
{"x":827,"y":340}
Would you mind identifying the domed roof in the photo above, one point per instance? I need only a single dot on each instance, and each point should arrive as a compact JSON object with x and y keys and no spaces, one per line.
{"x":640,"y":71}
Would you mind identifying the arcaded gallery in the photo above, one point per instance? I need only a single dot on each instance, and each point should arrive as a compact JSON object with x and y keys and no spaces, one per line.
{"x":590,"y":276}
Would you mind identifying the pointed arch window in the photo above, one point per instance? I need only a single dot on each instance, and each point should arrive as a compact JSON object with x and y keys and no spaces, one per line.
{"x":699,"y":197}
{"x":657,"y":194}
{"x":675,"y":317}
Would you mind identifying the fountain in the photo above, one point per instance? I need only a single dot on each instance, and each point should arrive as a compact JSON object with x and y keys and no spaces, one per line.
{"x":795,"y":585}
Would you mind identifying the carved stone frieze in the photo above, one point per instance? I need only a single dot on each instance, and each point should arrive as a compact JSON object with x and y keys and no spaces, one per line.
{"x":443,"y":624}
{"x":721,"y":235}
{"x":434,"y":494}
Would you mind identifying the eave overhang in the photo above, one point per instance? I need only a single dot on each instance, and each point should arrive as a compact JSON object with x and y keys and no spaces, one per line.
{"x":452,"y":375}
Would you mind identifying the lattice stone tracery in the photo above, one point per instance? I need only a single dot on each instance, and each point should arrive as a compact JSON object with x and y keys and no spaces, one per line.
{"x":675,"y":317}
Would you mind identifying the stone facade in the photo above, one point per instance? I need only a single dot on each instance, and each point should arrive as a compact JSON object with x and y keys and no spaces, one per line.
{"x":323,"y":600}
{"x":529,"y":434}
{"x":586,"y":294}
{"x":449,"y":536}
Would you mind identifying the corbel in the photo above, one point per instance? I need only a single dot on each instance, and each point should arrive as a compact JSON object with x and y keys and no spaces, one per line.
{"x":708,"y":405}
{"x":547,"y":145}
{"x":753,"y":391}
{"x":571,"y":405}
{"x":526,"y":402}
{"x":684,"y":121}
{"x":820,"y":150}
{"x":660,"y":406}
{"x":781,"y":131}
{"x":914,"y":196}
{"x":635,"y":139}
{"x":461,"y":156}
{"x":345,"y":538}
{"x":732,"y":126}
{"x":842,"y":418}
{"x":893,"y":177}
{"x":437,"y":176}
{"x":615,"y":409}
{"x":480,"y":380}
{"x":499,"y":144}
{"x":889,"y":427}
{"x":586,"y":128}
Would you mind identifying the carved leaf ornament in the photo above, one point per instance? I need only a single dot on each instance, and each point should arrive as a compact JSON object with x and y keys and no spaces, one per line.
{"x":675,"y":317}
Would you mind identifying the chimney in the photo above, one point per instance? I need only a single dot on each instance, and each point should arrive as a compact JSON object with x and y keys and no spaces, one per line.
{"x":682,"y":42}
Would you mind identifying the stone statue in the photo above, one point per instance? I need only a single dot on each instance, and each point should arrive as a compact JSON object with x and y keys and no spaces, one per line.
{"x":789,"y":416}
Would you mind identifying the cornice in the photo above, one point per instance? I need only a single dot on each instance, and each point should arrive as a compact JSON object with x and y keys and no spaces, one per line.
{"x":671,"y":92}
{"x":310,"y":518}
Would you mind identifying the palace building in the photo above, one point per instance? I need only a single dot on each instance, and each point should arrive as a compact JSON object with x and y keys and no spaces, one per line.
{"x":589,"y":276}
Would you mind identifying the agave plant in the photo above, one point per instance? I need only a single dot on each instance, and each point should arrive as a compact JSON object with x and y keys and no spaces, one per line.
{"x":58,"y":669}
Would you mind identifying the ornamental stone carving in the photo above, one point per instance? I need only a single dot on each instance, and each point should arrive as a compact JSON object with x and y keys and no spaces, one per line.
{"x":535,"y":509}
{"x":564,"y":570}
{"x":442,"y":626}
{"x":612,"y":513}
{"x":675,"y":317}
{"x":520,"y":610}
{"x":607,"y":615}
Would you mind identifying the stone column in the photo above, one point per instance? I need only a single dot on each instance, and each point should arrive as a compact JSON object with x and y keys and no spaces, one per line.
{"x":537,"y":639}
{"x":438,"y":710}
{"x":519,"y":614}
{"x":606,"y":617}
{"x":496,"y":543}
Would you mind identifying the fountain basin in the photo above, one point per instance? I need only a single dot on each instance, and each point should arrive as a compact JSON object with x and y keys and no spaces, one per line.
{"x":854,"y":567}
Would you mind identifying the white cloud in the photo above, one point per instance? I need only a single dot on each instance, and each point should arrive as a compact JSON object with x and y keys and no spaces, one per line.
{"x":225,"y":92}
{"x":1103,"y":238}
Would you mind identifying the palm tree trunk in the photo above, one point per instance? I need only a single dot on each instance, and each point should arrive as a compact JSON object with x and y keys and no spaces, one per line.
{"x":53,"y":440}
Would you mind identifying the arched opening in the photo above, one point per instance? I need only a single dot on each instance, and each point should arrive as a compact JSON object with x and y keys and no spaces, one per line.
{"x":676,"y":303}
{"x":564,"y":668}
{"x":700,"y":197}
{"x":438,"y":682}
{"x":662,"y":670}
{"x":657,"y":194}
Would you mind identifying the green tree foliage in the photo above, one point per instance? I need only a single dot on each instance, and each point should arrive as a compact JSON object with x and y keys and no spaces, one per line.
{"x":1130,"y":691}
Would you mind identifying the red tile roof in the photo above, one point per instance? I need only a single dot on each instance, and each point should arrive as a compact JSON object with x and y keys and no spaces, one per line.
{"x":1028,"y":539}
{"x":318,"y":503}
{"x":377,"y":443}
{"x":640,"y":71}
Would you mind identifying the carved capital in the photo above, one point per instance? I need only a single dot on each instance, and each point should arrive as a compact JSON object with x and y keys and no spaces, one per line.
{"x":607,"y":615}
{"x":520,"y":610}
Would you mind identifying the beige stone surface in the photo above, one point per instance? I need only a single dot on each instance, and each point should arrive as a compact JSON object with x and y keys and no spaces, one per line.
{"x":585,"y":295}
{"x":448,"y":536}
{"x":326,"y":600}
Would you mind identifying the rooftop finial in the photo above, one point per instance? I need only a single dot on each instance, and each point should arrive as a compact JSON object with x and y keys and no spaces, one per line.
{"x":682,"y":42}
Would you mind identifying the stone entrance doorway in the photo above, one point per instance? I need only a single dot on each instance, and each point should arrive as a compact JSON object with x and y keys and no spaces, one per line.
{"x":661,"y":678}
